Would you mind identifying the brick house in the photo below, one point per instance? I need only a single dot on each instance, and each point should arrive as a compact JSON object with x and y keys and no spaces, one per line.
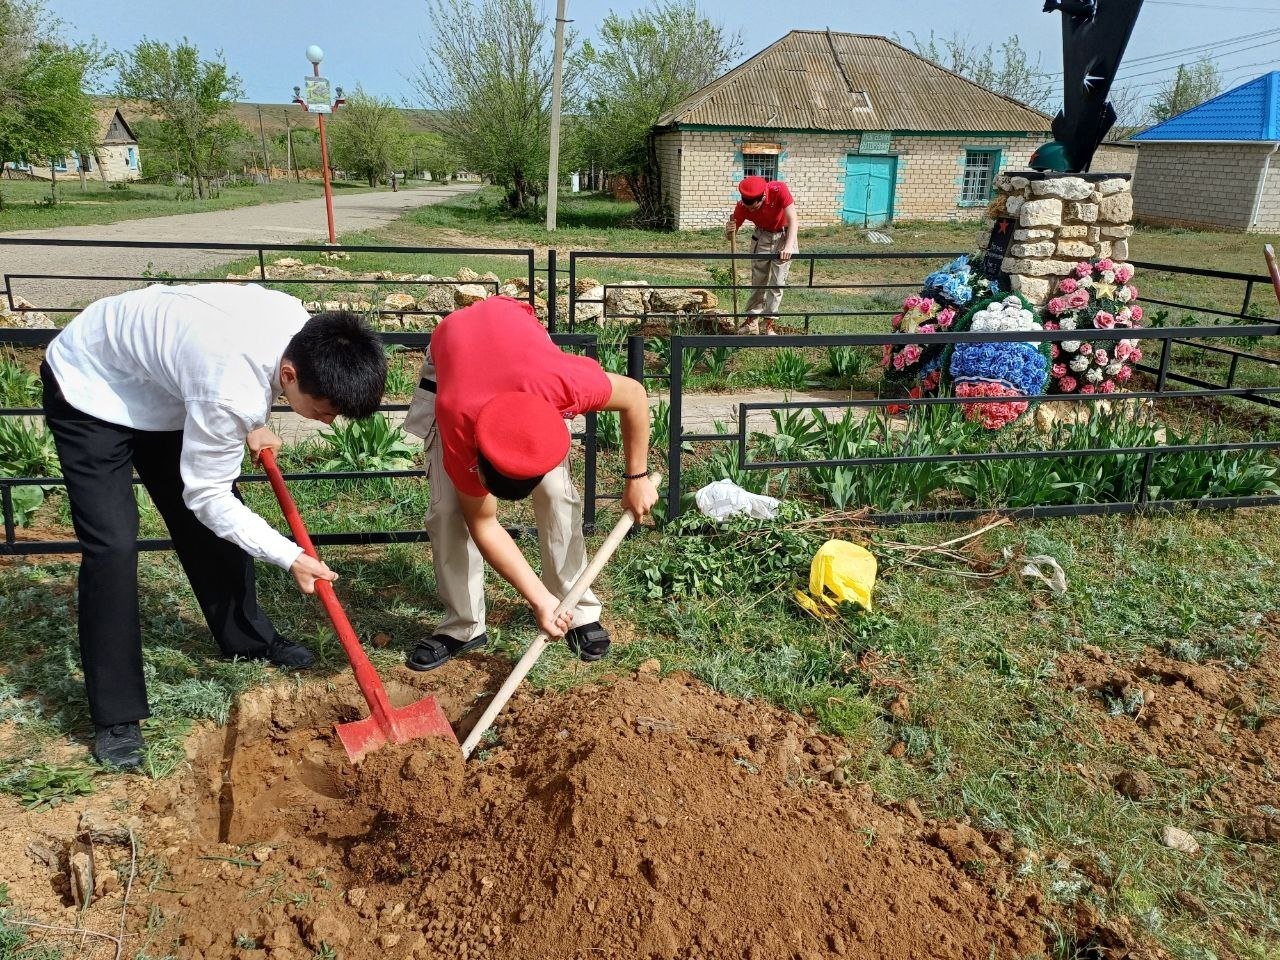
{"x":1215,"y":165}
{"x":115,"y":158}
{"x":862,"y":130}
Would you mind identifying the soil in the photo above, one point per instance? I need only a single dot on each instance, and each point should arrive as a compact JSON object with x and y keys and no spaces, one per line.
{"x":1210,"y":723}
{"x":647,"y":818}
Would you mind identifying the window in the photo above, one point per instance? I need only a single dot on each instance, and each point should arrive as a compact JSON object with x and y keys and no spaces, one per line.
{"x":133,"y":158}
{"x":60,"y":165}
{"x":979,"y":172}
{"x":760,"y":165}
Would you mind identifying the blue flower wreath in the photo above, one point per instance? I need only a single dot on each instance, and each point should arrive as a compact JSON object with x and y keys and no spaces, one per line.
{"x":1018,"y":366}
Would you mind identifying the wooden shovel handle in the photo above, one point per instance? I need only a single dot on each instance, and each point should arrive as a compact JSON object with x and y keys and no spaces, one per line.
{"x":580,"y":586}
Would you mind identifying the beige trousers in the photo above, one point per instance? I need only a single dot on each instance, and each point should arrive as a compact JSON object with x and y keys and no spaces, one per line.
{"x":768,"y":277}
{"x":459,"y":567}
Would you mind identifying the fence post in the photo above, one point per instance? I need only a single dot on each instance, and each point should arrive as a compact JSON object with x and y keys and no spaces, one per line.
{"x":262,"y":265}
{"x":589,"y":476}
{"x":635,"y":358}
{"x":6,"y":497}
{"x":1144,"y":493}
{"x":675,"y":431}
{"x":573,"y":288}
{"x":551,"y":290}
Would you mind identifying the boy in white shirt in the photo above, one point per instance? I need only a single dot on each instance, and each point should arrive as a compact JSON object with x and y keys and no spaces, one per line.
{"x":175,"y":381}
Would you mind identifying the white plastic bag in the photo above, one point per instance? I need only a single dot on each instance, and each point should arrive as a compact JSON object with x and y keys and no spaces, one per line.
{"x":724,"y":498}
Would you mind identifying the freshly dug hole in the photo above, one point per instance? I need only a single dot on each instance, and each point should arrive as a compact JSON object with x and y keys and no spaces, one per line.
{"x":651,"y":818}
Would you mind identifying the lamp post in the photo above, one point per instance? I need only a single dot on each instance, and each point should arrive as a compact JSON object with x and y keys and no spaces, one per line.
{"x":317,"y":101}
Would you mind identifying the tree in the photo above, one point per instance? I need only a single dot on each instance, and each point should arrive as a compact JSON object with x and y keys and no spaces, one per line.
{"x":489,"y":75}
{"x":368,"y":136}
{"x":1190,"y":87}
{"x":644,"y":65}
{"x":45,"y":111}
{"x":431,"y":152}
{"x":190,"y":100}
{"x":1006,"y":69}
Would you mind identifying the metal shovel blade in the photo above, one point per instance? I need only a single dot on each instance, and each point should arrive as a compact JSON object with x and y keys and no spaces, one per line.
{"x":421,"y":719}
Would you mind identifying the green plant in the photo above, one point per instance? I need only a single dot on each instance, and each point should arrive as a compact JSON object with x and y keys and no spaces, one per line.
{"x":849,"y":364}
{"x":26,"y":450}
{"x":660,"y":428}
{"x":369,"y":444}
{"x":45,"y":784}
{"x":15,"y":945}
{"x":18,"y":386}
{"x":788,"y":370}
{"x":402,"y":379}
{"x":608,"y":430}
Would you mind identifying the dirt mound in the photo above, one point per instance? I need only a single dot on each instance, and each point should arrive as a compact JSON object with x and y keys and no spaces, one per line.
{"x":650,"y":818}
{"x":1207,"y":721}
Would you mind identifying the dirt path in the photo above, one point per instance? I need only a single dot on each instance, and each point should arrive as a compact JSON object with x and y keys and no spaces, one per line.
{"x":297,"y":221}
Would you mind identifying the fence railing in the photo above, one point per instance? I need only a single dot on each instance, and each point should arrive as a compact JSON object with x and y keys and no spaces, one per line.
{"x":1158,"y":374}
{"x":1238,"y":359}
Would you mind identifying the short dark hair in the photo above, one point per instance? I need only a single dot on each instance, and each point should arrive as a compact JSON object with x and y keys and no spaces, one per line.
{"x":339,"y":358}
{"x":502,"y":486}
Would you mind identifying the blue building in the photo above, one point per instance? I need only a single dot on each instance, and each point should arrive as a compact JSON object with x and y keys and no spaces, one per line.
{"x":1215,"y":165}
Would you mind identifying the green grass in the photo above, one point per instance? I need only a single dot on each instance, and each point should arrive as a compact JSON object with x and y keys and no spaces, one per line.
{"x":25,"y":209}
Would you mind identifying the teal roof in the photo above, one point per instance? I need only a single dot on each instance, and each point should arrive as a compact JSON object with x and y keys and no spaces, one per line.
{"x":1250,"y":111}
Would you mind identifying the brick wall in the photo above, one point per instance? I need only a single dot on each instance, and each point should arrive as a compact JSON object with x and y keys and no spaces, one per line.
{"x":115,"y":164}
{"x":1115,"y":158}
{"x":701,"y":170}
{"x":1210,"y":184}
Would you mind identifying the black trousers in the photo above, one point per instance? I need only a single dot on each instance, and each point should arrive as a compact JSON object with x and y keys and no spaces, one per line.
{"x":98,"y":460}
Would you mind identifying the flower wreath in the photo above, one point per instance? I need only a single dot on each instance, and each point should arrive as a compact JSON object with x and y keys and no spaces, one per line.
{"x":987,"y":370}
{"x":916,"y":369}
{"x":1097,"y":296}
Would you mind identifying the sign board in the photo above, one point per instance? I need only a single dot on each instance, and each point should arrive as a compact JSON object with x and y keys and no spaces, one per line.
{"x":316,"y":94}
{"x":1001,"y":234}
{"x":762,"y":148}
{"x":875,"y":141}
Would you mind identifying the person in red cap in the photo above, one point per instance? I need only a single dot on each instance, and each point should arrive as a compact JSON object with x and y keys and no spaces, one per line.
{"x":492,"y":407}
{"x":769,"y":206}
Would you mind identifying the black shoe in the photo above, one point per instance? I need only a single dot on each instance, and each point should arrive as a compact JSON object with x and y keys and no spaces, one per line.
{"x":589,"y":641}
{"x":440,"y":649}
{"x":286,"y":653}
{"x":119,"y":745}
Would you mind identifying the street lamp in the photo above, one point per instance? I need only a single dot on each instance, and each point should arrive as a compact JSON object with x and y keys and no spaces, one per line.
{"x":316,"y":100}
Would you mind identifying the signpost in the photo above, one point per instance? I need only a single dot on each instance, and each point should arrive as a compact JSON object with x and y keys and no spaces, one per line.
{"x":314,"y":95}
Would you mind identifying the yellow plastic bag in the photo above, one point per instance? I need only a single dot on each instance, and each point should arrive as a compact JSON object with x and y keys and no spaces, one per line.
{"x":841,"y":572}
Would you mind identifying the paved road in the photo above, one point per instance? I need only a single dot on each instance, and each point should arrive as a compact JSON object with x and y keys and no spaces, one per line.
{"x":297,"y":221}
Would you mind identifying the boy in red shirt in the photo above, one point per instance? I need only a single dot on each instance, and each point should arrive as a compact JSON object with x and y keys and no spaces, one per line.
{"x":491,"y":407}
{"x":768,"y":205}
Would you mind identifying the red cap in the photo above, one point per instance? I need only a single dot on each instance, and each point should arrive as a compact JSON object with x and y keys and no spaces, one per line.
{"x":522,"y":435}
{"x":752,"y":187}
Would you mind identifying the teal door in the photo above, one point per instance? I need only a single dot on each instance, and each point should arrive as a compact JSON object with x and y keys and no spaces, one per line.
{"x":868,"y":189}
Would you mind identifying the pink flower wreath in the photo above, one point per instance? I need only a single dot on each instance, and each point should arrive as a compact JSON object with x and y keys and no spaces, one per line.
{"x":1099,"y":295}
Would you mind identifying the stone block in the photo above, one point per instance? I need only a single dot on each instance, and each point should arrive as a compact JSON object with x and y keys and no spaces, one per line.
{"x":1093,"y":235}
{"x":1035,"y":289}
{"x":1018,"y":183}
{"x":1040,"y":248}
{"x":1077,"y":249}
{"x":1116,"y":208}
{"x":1104,"y":248}
{"x":1108,"y":188}
{"x":1039,"y":233}
{"x":1036,"y":268}
{"x":1120,"y":250}
{"x":1041,"y":213}
{"x":1063,"y":188}
{"x":1013,"y":205}
{"x":1076,"y":232}
{"x":1118,"y":233}
{"x":1081,"y":211}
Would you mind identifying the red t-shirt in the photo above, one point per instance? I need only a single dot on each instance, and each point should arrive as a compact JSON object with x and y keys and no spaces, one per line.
{"x":492,"y":347}
{"x":771,"y":215}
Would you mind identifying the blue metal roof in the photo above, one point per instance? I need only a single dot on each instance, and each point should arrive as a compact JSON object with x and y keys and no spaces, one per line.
{"x":1250,"y":111}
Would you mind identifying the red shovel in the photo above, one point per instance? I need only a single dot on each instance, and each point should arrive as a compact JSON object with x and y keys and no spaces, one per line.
{"x":386,"y":724}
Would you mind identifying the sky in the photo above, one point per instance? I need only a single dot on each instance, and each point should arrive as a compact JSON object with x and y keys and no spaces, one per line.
{"x":383,"y":44}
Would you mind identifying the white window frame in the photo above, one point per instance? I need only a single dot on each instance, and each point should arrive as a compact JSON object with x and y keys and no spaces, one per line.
{"x":760,"y":165}
{"x":980,"y":164}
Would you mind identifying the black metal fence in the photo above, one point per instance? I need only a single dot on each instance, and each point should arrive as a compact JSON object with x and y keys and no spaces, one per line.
{"x":1160,"y":388}
{"x":39,"y":338}
{"x":1236,"y":360}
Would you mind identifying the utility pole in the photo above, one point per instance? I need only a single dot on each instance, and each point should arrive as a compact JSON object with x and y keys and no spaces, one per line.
{"x":557,"y":83}
{"x":288,"y":150}
{"x":262,"y":134}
